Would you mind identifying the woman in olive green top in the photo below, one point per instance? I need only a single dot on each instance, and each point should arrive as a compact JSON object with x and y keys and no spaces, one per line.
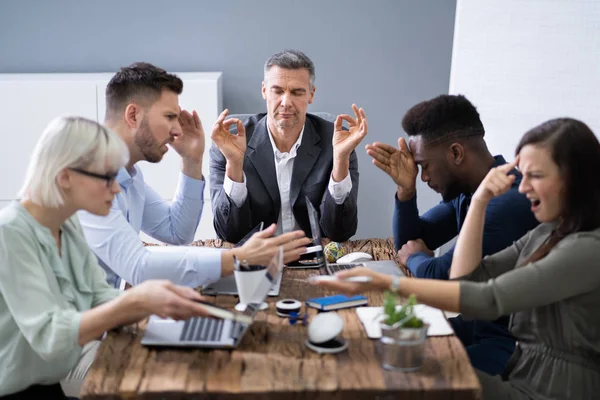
{"x":53,"y":296}
{"x":548,"y":280}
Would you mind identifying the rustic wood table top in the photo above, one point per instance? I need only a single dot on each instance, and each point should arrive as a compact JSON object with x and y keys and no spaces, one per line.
{"x":272,"y":361}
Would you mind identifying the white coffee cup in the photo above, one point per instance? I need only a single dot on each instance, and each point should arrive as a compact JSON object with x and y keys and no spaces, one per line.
{"x":247,"y":282}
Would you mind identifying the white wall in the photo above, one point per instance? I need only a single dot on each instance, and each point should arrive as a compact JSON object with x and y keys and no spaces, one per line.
{"x":29,"y":101}
{"x":522,"y":62}
{"x":27,"y":104}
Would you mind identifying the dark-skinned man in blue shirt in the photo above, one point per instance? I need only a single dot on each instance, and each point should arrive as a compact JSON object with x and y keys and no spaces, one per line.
{"x":446,"y":141}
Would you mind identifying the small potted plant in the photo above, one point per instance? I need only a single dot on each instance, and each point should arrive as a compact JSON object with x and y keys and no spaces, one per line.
{"x":403,"y":335}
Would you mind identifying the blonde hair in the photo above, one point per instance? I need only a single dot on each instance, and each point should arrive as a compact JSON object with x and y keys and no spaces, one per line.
{"x":70,"y":142}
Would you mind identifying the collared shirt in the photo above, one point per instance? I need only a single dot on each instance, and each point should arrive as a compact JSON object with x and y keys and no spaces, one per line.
{"x":42,"y":296}
{"x":284,"y":165}
{"x":115,"y":237}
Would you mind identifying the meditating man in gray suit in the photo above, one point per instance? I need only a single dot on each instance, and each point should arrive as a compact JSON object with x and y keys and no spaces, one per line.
{"x":266,"y":167}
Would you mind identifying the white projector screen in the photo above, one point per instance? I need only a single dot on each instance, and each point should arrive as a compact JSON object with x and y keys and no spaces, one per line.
{"x":522,"y":62}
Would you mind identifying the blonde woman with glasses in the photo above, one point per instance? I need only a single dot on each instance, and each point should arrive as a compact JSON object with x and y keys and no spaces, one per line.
{"x":54,"y":299}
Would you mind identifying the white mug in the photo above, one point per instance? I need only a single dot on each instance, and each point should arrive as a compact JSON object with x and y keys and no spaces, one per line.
{"x":247,"y":283}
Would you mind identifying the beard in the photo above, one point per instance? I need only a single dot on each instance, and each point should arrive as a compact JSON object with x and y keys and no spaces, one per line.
{"x":287,"y":123}
{"x":146,"y":143}
{"x":452,"y":191}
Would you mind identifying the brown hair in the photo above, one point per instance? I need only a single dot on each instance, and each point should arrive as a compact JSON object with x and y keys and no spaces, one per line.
{"x":141,"y":82}
{"x":576,"y":151}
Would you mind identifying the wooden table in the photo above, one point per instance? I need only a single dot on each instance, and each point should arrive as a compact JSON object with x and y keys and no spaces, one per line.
{"x":272,"y":361}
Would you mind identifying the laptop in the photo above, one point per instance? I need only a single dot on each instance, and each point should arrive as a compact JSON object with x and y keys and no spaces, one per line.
{"x":227,"y":286}
{"x":211,"y":332}
{"x":384,"y":266}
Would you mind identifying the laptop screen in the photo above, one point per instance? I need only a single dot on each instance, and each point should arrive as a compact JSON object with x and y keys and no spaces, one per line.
{"x":315,"y":229}
{"x":272,"y":273}
{"x":257,"y":228}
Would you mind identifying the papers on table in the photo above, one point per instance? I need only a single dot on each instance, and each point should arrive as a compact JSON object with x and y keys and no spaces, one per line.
{"x":438,"y":325}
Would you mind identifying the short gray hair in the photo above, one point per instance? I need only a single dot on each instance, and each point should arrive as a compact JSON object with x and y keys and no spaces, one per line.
{"x":291,"y":59}
{"x":70,"y":142}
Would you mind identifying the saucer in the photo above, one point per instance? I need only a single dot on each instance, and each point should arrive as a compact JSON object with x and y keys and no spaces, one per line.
{"x":332,"y":346}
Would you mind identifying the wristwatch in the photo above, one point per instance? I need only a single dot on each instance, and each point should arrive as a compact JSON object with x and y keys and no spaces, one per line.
{"x":395,"y":285}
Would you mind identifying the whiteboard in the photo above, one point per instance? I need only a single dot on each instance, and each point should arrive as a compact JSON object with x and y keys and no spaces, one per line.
{"x":522,"y":62}
{"x":25,"y":110}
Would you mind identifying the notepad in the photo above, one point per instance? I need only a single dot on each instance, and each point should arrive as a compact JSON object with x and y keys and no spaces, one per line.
{"x":438,"y":325}
{"x":336,"y":302}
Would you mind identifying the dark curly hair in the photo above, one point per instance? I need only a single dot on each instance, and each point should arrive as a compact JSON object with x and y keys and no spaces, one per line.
{"x":141,"y":82}
{"x":443,"y":118}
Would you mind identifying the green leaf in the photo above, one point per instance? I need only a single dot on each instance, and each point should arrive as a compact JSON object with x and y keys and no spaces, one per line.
{"x":405,"y":313}
{"x":413,"y":322}
{"x":389,"y":308}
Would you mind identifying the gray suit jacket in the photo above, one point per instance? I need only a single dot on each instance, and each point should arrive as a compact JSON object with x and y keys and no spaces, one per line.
{"x":310,"y":177}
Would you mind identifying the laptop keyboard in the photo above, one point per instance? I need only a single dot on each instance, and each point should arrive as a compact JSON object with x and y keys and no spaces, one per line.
{"x":200,"y":329}
{"x":342,"y":267}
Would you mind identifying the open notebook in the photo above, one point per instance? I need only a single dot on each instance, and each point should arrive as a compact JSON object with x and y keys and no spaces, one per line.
{"x":438,"y":325}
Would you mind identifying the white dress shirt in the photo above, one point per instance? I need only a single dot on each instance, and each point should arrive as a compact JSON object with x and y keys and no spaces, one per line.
{"x":115,"y":237}
{"x":284,"y":165}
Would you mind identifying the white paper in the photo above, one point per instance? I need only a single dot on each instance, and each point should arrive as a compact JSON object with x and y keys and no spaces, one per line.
{"x":438,"y":325}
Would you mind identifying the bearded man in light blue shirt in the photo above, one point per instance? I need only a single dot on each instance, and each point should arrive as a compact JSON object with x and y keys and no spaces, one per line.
{"x":142,"y":106}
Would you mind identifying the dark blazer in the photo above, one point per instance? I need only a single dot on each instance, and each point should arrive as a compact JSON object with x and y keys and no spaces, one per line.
{"x":310,"y":177}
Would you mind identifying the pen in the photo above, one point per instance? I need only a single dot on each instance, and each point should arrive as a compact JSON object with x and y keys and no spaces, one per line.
{"x":351,"y":279}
